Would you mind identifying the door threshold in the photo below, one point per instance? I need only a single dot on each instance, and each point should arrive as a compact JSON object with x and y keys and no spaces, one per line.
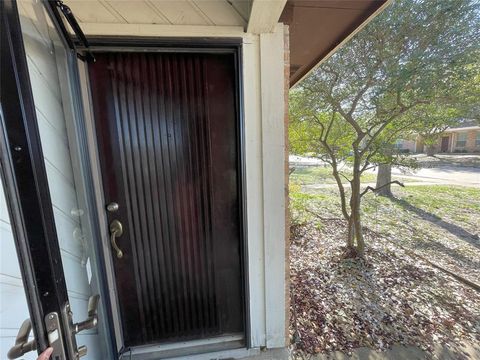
{"x":183,"y":348}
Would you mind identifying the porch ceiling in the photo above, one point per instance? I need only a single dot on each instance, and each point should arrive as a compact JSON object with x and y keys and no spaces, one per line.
{"x":162,"y":12}
{"x":319,"y":27}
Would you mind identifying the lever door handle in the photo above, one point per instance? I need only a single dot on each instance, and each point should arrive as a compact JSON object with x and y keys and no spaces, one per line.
{"x":92,"y":318}
{"x":116,"y":230}
{"x":22,"y":345}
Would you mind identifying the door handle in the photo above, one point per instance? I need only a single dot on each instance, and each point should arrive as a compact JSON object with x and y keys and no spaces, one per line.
{"x":22,"y":345}
{"x":116,"y":230}
{"x":89,"y":323}
{"x":92,"y":317}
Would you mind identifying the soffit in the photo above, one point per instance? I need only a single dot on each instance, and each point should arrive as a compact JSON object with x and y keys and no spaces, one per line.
{"x":163,"y":12}
{"x":318,"y":27}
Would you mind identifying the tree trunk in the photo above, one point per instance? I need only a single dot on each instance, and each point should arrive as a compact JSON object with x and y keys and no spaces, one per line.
{"x":384,"y":176}
{"x":351,"y":234}
{"x":355,"y":222}
{"x":355,"y":233}
{"x":430,"y":150}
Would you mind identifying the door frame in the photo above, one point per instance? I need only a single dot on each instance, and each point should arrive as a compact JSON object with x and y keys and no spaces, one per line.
{"x":170,"y":45}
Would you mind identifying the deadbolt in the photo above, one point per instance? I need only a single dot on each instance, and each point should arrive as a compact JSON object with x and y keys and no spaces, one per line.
{"x":112,"y":207}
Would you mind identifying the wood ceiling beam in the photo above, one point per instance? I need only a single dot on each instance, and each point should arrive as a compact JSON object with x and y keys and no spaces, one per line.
{"x":264,"y":15}
{"x":160,"y":30}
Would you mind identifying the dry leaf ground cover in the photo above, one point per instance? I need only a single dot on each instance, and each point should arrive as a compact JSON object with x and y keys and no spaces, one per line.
{"x":439,"y":222}
{"x":391,"y":297}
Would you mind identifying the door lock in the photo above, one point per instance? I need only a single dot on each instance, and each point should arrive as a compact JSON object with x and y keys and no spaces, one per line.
{"x":54,"y":333}
{"x":112,"y":207}
{"x":55,"y":340}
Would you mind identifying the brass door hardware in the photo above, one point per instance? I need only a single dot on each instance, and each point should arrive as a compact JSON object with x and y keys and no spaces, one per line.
{"x":22,"y":345}
{"x":116,"y":230}
{"x":54,"y":332}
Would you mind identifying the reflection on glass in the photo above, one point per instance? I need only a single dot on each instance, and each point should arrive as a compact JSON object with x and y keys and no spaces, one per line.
{"x":52,"y":92}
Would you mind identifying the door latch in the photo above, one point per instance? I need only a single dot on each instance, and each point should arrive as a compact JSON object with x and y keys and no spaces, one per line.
{"x":55,"y":340}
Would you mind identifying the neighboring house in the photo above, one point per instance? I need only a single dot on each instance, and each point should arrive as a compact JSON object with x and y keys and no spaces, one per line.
{"x":406,"y":146}
{"x":461,"y":139}
{"x":144,"y":172}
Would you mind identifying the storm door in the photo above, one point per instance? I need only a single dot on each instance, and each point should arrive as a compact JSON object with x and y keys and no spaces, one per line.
{"x":45,"y":179}
{"x":168,"y":140}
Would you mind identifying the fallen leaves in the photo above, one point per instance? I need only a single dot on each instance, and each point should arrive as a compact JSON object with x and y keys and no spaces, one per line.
{"x":387,"y":298}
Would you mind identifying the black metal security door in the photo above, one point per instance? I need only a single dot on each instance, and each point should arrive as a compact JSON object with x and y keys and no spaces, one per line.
{"x":30,"y":195}
{"x":168,"y":138}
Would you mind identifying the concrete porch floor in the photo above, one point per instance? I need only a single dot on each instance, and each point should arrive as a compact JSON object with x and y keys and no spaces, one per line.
{"x":241,"y":354}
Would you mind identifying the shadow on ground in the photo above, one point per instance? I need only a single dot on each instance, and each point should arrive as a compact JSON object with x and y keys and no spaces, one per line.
{"x":399,"y":352}
{"x":456,"y":230}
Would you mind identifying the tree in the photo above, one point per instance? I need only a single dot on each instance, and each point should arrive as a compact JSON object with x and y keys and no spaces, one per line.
{"x":353,"y":107}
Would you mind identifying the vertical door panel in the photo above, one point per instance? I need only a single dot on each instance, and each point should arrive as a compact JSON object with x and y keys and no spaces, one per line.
{"x":168,"y":144}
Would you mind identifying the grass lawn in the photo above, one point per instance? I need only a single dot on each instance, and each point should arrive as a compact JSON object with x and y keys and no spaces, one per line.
{"x":440,"y":222}
{"x":391,"y":296}
{"x":309,"y":175}
{"x":313,"y":175}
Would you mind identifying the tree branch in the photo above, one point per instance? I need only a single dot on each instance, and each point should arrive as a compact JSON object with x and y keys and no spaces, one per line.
{"x":369,"y":188}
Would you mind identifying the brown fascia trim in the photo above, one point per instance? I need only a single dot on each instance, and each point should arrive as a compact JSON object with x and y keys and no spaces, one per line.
{"x":370,"y":13}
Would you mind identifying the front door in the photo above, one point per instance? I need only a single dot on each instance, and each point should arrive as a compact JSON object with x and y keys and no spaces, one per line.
{"x":168,"y":141}
{"x":444,"y":147}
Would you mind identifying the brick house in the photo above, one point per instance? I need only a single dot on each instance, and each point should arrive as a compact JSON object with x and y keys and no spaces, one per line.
{"x":462,"y":139}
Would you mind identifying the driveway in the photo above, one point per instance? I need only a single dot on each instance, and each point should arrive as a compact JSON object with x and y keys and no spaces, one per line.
{"x":444,"y":175}
{"x":447,"y":175}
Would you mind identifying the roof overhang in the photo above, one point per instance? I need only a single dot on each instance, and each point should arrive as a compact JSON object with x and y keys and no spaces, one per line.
{"x":319,"y":27}
{"x":460,"y":129}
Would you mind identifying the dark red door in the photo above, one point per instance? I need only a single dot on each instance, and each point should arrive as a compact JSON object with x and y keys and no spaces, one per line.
{"x":168,"y":141}
{"x":444,"y":147}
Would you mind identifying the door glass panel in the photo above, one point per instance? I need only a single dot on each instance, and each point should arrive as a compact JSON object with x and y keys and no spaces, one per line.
{"x":57,"y":114}
{"x":13,"y":303}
